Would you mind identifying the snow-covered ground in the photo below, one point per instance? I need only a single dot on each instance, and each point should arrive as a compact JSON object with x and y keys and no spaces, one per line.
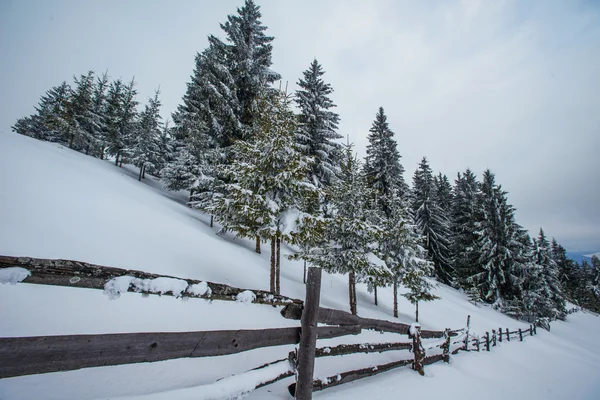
{"x":56,"y":203}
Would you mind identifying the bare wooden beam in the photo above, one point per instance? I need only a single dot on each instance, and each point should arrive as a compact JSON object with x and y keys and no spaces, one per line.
{"x":350,"y":376}
{"x":308,"y":336}
{"x":41,"y":354}
{"x":336,"y":317}
{"x":344,"y":349}
{"x":91,"y":276}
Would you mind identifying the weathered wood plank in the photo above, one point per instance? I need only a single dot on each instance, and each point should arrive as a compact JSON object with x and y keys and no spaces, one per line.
{"x":350,"y":376}
{"x":345,"y":349}
{"x":337,"y":317}
{"x":41,"y":354}
{"x":91,"y":276}
{"x":433,"y":359}
{"x":308,"y":335}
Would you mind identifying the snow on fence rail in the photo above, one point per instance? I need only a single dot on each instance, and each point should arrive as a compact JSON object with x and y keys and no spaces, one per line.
{"x":34,"y":355}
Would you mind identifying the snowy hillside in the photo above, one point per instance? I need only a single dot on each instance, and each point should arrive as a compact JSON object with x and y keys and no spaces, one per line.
{"x":57,"y":203}
{"x":592,"y":255}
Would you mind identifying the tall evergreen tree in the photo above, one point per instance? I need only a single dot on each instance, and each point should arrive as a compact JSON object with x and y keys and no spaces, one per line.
{"x":463,"y":229}
{"x":496,"y":240}
{"x":431,"y":221}
{"x":550,"y":274}
{"x":82,"y":99}
{"x":145,"y":153}
{"x":318,"y":126}
{"x":348,"y":234}
{"x":382,"y":169}
{"x":98,"y":112}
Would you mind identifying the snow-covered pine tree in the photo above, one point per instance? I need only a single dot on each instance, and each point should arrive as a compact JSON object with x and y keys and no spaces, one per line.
{"x":420,"y":289}
{"x":400,"y":249}
{"x":248,"y":59}
{"x":165,"y":148}
{"x":82,"y":99}
{"x":111,"y":121}
{"x":564,"y":265}
{"x":463,"y":229}
{"x":496,"y":242}
{"x":128,"y":122}
{"x":431,"y":221}
{"x":443,"y":193}
{"x":550,"y":274}
{"x":349,"y":236}
{"x":264,"y":181}
{"x":317,"y":133}
{"x":383,"y":171}
{"x":145,"y":153}
{"x":98,"y":111}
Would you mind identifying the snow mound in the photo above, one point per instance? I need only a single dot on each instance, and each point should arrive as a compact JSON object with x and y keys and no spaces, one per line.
{"x":13,"y":275}
{"x":162,"y":285}
{"x":246,"y":297}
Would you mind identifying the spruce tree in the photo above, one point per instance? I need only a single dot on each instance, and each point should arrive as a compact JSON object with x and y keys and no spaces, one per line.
{"x":383,"y":171}
{"x":81,"y":131}
{"x":463,"y":229}
{"x":349,"y":236}
{"x":318,"y":126}
{"x":496,"y":242}
{"x":98,"y":112}
{"x":265,"y":180}
{"x":431,"y":221}
{"x":550,"y":273}
{"x":145,"y":153}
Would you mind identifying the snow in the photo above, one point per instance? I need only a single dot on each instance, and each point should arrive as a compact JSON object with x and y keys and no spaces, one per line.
{"x":199,"y":289}
{"x":13,"y":275}
{"x":95,"y":212}
{"x":161,"y":285}
{"x":414,"y":328}
{"x":247,"y":296}
{"x":233,"y":387}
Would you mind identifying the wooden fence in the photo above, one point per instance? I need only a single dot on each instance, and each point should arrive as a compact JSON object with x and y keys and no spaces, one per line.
{"x":34,"y":355}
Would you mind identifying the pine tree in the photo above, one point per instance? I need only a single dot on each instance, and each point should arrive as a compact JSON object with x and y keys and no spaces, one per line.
{"x":382,"y":169}
{"x":496,"y":242}
{"x":98,"y":111}
{"x":145,"y":153}
{"x":401,"y":250}
{"x":443,"y":193}
{"x":82,"y":122}
{"x":318,"y":126}
{"x":348,"y":234}
{"x":550,"y":274}
{"x":463,"y":229}
{"x":431,"y":221}
{"x":112,"y":134}
{"x":264,"y":181}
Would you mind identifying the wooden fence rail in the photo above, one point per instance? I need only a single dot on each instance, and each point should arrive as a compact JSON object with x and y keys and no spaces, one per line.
{"x":34,"y":355}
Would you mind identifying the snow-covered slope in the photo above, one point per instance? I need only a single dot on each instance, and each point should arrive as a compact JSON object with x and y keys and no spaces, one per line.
{"x":56,"y":203}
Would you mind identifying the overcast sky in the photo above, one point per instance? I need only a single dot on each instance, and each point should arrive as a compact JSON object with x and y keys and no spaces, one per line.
{"x":513,"y":86}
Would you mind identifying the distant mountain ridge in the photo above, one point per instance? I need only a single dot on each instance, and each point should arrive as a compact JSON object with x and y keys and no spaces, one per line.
{"x":579,"y":256}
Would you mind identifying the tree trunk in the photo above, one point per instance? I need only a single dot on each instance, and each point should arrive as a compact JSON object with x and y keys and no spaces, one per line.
{"x":375,"y":293}
{"x":190,"y":200}
{"x":278,"y":267}
{"x":395,"y":298}
{"x":144,"y":173}
{"x":417,"y":311}
{"x":352,"y":292}
{"x":272,"y":273}
{"x":121,"y":162}
{"x":102,"y":154}
{"x":257,"y":248}
{"x":87,"y":150}
{"x":140,"y":175}
{"x":117,"y":159}
{"x":304,"y":277}
{"x":212,"y":217}
{"x":71,"y":138}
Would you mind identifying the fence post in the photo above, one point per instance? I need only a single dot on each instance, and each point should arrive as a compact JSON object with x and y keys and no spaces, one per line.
{"x":534,"y":329}
{"x":530,"y":330}
{"x":477,"y":343}
{"x":500,"y":335}
{"x":493,"y":338}
{"x":487,"y":341}
{"x":467,"y":337}
{"x":308,"y":335}
{"x":446,"y":346}
{"x":520,"y":334}
{"x":507,"y":335}
{"x":418,"y":350}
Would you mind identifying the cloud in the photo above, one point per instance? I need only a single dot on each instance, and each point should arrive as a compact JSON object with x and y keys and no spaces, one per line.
{"x":507,"y":85}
